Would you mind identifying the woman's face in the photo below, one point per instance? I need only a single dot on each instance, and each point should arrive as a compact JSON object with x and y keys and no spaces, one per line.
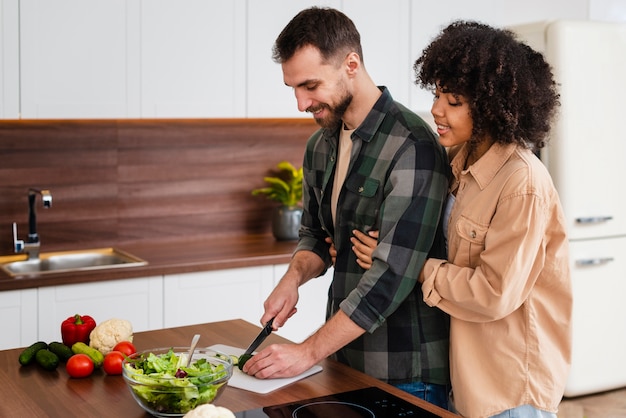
{"x":451,"y":113}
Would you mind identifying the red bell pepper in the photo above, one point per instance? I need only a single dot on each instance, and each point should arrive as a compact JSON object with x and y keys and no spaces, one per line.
{"x":77,"y":329}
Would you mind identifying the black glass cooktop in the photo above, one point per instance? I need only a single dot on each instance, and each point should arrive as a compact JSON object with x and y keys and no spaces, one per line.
{"x":370,"y":402}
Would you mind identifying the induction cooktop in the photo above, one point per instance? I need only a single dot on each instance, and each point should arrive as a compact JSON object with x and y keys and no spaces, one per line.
{"x":369,"y":402}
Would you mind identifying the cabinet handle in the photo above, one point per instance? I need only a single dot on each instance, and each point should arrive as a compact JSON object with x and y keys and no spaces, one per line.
{"x":594,"y":261}
{"x":593,"y":219}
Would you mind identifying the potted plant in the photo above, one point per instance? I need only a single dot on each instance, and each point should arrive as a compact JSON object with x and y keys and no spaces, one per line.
{"x":286,"y":189}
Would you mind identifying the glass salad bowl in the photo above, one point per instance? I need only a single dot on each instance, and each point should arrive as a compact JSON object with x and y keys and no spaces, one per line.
{"x":164,"y":386}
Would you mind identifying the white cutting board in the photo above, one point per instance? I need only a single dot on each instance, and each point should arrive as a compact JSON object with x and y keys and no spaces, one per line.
{"x":243,"y":381}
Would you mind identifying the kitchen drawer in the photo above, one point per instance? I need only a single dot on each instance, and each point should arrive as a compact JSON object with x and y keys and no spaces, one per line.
{"x":599,"y":317}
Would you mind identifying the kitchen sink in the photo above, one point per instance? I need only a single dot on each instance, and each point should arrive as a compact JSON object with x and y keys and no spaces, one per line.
{"x":67,"y":261}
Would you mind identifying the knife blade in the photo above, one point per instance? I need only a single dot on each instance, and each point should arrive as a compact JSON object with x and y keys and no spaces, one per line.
{"x":267,"y":330}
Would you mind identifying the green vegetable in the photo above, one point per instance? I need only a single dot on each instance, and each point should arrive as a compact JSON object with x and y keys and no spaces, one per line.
{"x":62,"y":351}
{"x":243,"y":359}
{"x":95,"y":356}
{"x":167,"y":385}
{"x":47,"y":359}
{"x":28,"y":355}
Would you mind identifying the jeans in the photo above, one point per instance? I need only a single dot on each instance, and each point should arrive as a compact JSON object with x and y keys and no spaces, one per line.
{"x":435,"y":394}
{"x":524,"y":411}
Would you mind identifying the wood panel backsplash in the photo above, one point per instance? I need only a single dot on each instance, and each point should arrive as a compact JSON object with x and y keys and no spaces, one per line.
{"x":117,"y":181}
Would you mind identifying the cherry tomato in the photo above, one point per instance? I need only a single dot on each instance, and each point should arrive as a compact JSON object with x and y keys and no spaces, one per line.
{"x":113,"y":363}
{"x":125,"y":347}
{"x":79,"y":365}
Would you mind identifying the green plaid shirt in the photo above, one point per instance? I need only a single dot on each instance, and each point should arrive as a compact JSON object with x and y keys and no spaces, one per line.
{"x":397,"y":183}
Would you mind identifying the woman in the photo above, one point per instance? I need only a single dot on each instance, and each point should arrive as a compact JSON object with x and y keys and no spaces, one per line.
{"x":506,"y":282}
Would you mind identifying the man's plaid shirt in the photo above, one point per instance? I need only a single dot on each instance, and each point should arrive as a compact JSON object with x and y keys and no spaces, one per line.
{"x":397,"y":183}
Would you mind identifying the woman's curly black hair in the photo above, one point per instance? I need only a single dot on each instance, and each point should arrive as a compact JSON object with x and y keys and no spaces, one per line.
{"x":509,"y":86}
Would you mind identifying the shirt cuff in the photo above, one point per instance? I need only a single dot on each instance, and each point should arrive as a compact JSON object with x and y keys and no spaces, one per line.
{"x":428,"y":277}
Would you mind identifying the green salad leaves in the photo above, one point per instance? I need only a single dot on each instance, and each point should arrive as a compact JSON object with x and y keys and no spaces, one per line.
{"x":165,"y":384}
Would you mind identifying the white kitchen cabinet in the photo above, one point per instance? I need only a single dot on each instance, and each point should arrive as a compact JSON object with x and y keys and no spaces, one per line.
{"x":311,"y":306}
{"x":79,"y":59}
{"x":127,"y":58}
{"x":193,"y":58}
{"x":18,"y":310}
{"x":194,"y":298}
{"x":139,"y":300}
{"x":9,"y":60}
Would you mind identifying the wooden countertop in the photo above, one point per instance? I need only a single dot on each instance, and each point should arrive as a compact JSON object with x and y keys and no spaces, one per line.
{"x":170,"y":257}
{"x":34,"y":392}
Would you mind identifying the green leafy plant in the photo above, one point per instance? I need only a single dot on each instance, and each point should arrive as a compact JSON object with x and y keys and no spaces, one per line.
{"x":286,"y":187}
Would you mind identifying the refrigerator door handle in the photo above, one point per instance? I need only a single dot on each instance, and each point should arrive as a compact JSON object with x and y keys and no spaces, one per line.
{"x":593,"y":219}
{"x":594,"y":261}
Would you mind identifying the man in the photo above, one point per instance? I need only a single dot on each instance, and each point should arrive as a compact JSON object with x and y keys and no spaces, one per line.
{"x":373,"y":165}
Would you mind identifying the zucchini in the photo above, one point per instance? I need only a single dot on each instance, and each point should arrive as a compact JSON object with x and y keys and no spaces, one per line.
{"x":47,"y":359}
{"x":96,"y":356}
{"x":242,"y":360}
{"x":62,"y":351}
{"x":28,"y":355}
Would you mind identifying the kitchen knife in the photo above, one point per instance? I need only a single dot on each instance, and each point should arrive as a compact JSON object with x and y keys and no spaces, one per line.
{"x":267,"y":330}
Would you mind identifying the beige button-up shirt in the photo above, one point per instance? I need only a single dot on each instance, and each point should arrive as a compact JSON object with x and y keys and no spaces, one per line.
{"x":506,"y":285}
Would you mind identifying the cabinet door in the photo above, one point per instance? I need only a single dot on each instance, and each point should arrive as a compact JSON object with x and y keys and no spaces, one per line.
{"x":9,"y":60}
{"x":385,"y":57}
{"x":195,"y":298}
{"x":193,"y":58}
{"x":136,"y":300}
{"x":79,"y":59}
{"x":311,"y":306}
{"x":18,"y":310}
{"x":599,"y":335}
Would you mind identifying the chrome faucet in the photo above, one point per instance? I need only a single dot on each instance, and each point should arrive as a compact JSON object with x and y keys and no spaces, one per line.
{"x":32,"y":244}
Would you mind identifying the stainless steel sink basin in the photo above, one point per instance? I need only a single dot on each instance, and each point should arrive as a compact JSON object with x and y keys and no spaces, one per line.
{"x":66,"y":261}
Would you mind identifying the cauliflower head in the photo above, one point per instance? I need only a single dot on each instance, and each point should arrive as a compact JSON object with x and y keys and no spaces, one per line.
{"x":209,"y":410}
{"x":110,"y":332}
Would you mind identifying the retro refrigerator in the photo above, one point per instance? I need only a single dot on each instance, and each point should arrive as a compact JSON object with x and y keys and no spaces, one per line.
{"x":587,"y":160}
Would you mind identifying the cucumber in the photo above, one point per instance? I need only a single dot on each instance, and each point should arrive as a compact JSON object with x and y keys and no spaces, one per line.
{"x":28,"y":355}
{"x":47,"y":359}
{"x":242,"y":360}
{"x":96,"y":356}
{"x":62,"y":351}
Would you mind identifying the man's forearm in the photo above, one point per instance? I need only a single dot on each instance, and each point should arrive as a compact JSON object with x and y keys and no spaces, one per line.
{"x":336,"y":333}
{"x":304,"y":266}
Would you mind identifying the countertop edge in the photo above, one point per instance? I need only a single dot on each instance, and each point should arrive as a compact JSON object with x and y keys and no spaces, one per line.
{"x":169,"y":258}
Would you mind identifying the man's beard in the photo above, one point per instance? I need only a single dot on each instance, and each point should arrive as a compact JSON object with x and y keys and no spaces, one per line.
{"x":333,"y":120}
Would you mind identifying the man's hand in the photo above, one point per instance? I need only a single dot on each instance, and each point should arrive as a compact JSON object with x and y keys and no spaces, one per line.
{"x":281,"y":303}
{"x":287,"y":360}
{"x":279,"y":360}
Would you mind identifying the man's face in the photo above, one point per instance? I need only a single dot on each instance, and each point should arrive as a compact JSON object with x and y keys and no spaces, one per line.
{"x":320,"y":88}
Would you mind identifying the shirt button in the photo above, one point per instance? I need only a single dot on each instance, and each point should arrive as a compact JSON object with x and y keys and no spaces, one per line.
{"x":332,"y":158}
{"x":473,"y":234}
{"x":361,"y":189}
